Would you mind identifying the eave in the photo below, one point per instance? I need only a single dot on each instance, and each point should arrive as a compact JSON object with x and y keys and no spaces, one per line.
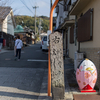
{"x":67,"y":24}
{"x":79,"y":6}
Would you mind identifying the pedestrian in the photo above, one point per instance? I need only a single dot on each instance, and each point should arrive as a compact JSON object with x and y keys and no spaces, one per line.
{"x":14,"y":46}
{"x":1,"y":42}
{"x":18,"y":46}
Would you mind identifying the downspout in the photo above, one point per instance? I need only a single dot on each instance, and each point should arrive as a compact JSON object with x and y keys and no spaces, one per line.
{"x":49,"y":67}
{"x":78,"y":47}
{"x":76,"y":34}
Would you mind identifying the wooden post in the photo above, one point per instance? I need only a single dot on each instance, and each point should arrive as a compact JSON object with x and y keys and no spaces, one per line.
{"x":57,"y":66}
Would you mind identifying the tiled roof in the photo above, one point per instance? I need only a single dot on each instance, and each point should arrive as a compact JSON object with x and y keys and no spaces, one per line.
{"x":4,"y":11}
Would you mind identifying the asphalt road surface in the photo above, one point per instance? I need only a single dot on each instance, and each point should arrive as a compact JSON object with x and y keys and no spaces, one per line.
{"x":31,"y":57}
{"x":22,"y":80}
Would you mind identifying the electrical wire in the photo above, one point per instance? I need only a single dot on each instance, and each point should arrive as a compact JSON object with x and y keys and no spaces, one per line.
{"x":38,"y":11}
{"x":26,"y":6}
{"x":30,"y":2}
{"x":46,"y":2}
{"x":31,"y":5}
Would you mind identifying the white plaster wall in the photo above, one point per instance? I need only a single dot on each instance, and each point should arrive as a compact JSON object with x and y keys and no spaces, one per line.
{"x":8,"y":25}
{"x":10,"y":29}
{"x":4,"y":26}
{"x":60,"y":14}
{"x":71,"y":47}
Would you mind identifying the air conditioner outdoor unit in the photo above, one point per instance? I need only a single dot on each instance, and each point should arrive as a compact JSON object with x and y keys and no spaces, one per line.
{"x":77,"y":59}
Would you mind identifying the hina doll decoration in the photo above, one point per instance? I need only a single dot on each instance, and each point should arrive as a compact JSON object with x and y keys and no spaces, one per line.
{"x":86,"y":75}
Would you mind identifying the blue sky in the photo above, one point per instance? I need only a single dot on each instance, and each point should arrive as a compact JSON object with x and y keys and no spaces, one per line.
{"x":20,"y":9}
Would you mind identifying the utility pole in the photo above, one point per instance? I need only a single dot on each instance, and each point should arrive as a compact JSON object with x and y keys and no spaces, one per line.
{"x":50,"y":4}
{"x":40,"y":26}
{"x":35,"y":7}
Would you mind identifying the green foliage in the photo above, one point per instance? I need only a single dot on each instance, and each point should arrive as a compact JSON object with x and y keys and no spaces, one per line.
{"x":38,"y":38}
{"x":30,"y":22}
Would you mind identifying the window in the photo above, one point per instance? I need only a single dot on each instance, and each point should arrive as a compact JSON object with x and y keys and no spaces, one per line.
{"x":45,"y":38}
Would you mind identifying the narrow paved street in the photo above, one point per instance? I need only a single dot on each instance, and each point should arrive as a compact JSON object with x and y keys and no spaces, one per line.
{"x":32,"y":57}
{"x":22,"y":80}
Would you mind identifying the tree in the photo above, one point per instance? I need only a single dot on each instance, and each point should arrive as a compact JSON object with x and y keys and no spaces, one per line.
{"x":29,"y":22}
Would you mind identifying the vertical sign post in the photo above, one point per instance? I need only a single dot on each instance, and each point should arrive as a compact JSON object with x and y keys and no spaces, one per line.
{"x":57,"y":66}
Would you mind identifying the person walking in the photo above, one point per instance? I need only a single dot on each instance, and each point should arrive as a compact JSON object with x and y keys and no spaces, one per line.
{"x":1,"y":42}
{"x":18,"y":46}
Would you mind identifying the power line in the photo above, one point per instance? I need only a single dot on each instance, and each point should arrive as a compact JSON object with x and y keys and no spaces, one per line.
{"x":26,"y":6}
{"x":30,"y":2}
{"x":39,"y":11}
{"x":50,"y":4}
{"x":46,"y":2}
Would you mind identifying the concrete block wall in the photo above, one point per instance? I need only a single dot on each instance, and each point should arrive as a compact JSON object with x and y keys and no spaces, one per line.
{"x":94,"y":55}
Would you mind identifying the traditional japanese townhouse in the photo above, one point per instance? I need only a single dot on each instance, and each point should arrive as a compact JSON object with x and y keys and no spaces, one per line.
{"x":64,"y":21}
{"x":7,"y":24}
{"x":83,"y":35}
{"x":87,"y":30}
{"x":26,"y":34}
